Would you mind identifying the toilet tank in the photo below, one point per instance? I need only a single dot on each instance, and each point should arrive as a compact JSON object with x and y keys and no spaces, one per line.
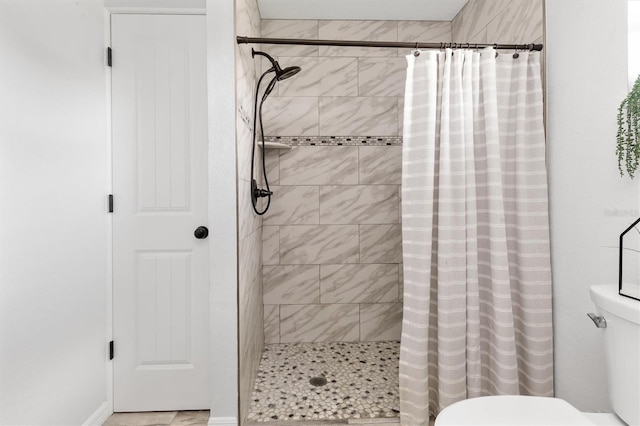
{"x":622,"y":349}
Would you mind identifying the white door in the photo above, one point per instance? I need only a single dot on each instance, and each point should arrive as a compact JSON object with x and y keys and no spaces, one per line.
{"x":160,"y":272}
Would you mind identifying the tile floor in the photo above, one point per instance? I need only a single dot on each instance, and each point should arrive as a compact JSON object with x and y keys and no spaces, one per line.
{"x":173,"y":418}
{"x":361,"y":382}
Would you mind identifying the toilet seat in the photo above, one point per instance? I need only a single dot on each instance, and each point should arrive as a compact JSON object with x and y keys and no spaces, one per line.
{"x":512,"y":410}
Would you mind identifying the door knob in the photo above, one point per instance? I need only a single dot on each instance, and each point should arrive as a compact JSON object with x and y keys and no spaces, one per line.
{"x":201,"y":232}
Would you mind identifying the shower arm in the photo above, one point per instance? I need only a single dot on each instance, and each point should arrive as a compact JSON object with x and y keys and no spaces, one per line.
{"x":274,"y":64}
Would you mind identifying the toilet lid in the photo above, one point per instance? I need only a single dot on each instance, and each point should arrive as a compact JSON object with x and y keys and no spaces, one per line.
{"x":512,"y":411}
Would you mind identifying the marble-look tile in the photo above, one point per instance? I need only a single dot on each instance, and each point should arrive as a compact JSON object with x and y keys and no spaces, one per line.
{"x":291,"y":28}
{"x":244,"y":136}
{"x":380,"y":322}
{"x":380,"y":243}
{"x":272,"y":163}
{"x":291,"y":284}
{"x":362,"y":116}
{"x":250,"y":319}
{"x":293,"y":205}
{"x":250,"y":261}
{"x":141,"y":419}
{"x":423,"y":31}
{"x":519,"y":22}
{"x":271,"y":324}
{"x":380,"y":165}
{"x":270,"y":245}
{"x":249,"y":360}
{"x":319,"y":165}
{"x":401,"y":282}
{"x":191,"y":418}
{"x":319,"y":244}
{"x":357,"y":30}
{"x":381,"y":76}
{"x":319,"y":323}
{"x":355,"y":204}
{"x":322,"y":77}
{"x":400,"y":202}
{"x":480,"y":37}
{"x":457,"y":26}
{"x":250,"y":299}
{"x":400,"y":115}
{"x":254,"y":17}
{"x":306,"y":82}
{"x":291,"y":116}
{"x":358,"y":283}
{"x":477,"y":14}
{"x":247,"y":18}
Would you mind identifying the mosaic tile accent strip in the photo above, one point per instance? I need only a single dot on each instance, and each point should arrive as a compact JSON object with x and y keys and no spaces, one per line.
{"x":336,"y":140}
{"x":362,"y":382}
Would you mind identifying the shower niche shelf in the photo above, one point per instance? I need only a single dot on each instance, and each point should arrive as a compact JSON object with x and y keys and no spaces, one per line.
{"x":274,"y":145}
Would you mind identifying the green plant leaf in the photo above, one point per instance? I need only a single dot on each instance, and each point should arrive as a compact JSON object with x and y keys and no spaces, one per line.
{"x":628,"y":136}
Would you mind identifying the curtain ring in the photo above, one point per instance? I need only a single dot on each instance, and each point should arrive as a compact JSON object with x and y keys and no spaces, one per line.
{"x":416,"y":52}
{"x":516,"y":55}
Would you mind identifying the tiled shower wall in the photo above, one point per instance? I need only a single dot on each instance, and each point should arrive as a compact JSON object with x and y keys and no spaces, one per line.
{"x":499,"y":21}
{"x":343,"y":91}
{"x":250,"y":308}
{"x":332,"y":247}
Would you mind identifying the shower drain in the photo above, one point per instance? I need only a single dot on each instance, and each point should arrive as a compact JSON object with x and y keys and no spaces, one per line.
{"x":318,"y":381}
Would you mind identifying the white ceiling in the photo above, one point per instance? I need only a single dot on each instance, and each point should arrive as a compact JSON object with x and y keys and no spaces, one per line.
{"x":401,"y":10}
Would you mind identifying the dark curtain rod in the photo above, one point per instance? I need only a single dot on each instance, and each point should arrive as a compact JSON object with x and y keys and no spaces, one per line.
{"x":403,"y":44}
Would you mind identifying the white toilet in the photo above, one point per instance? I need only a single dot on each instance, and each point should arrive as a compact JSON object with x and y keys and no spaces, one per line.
{"x":621,"y":328}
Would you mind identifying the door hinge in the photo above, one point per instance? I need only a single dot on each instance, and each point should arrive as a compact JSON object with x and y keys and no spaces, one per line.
{"x":110,"y":350}
{"x":110,"y":203}
{"x":109,"y":57}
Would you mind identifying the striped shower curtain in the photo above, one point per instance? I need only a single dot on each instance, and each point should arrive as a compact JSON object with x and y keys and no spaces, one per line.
{"x":477,"y":275}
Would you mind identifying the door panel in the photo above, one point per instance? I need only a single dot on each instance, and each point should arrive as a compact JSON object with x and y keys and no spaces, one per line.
{"x":161,"y":291}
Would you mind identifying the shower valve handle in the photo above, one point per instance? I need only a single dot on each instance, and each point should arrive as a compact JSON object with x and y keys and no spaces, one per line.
{"x":260,"y":193}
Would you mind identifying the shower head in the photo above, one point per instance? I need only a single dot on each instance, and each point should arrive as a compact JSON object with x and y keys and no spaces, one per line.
{"x":281,"y":74}
{"x":287,"y":72}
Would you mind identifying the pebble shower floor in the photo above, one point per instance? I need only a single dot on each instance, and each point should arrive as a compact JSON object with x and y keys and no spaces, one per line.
{"x":361,"y":382}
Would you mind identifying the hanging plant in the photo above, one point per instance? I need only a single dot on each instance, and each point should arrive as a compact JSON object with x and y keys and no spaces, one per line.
{"x":628,"y":138}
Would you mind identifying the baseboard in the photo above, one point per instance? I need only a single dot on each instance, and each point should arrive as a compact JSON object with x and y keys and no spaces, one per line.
{"x":223,"y":421}
{"x":100,"y":415}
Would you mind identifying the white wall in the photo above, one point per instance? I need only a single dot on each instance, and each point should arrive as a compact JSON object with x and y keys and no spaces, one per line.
{"x":222,"y":209}
{"x":586,"y":50}
{"x":53,"y":222}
